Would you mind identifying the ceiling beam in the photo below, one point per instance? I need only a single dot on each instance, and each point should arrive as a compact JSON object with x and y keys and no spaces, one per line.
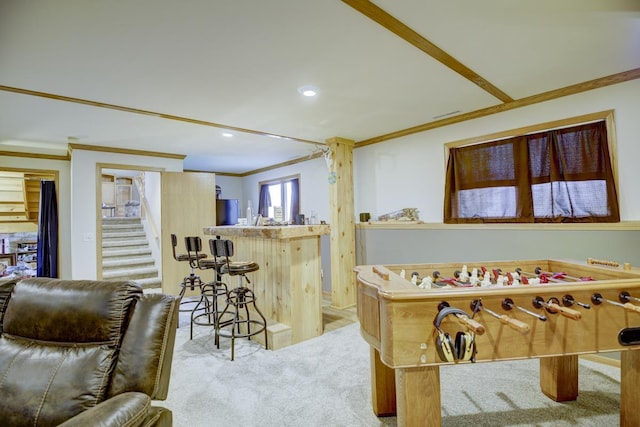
{"x":392,"y":24}
{"x":523,"y":102}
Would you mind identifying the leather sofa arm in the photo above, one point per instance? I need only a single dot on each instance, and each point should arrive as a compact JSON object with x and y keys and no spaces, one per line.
{"x":124,"y":410}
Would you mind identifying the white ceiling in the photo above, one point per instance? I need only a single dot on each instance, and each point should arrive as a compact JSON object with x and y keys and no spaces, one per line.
{"x":238,"y":63}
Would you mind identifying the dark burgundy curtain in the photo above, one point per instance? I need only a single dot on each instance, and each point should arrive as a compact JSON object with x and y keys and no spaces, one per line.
{"x":561,"y":175}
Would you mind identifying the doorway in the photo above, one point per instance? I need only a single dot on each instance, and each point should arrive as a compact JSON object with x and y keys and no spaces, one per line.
{"x":19,"y":213}
{"x":128,"y":218}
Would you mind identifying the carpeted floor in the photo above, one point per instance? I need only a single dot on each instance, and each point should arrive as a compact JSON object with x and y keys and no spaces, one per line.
{"x":325,"y":382}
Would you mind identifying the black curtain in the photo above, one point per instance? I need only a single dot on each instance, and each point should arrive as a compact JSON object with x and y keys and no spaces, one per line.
{"x":48,"y":231}
{"x":295,"y":200}
{"x":264,"y":202}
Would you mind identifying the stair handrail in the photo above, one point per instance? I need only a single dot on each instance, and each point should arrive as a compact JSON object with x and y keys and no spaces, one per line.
{"x":146,"y":209}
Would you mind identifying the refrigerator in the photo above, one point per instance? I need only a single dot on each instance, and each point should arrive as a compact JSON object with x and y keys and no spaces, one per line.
{"x":227,"y":211}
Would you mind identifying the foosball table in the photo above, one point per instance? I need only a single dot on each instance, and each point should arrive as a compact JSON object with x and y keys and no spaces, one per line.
{"x":417,"y":317}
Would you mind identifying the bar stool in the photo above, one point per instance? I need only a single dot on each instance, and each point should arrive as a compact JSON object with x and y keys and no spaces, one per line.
{"x":209,"y":291}
{"x":192,"y":280}
{"x":238,"y":299}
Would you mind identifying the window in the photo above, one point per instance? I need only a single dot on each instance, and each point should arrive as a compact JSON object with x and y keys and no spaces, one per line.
{"x":282,"y":192}
{"x":558,"y":175}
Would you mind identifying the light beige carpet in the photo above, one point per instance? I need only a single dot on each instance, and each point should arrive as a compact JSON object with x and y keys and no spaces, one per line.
{"x":325,"y":382}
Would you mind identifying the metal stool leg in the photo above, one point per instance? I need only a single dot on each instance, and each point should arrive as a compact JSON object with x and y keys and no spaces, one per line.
{"x":239,"y":299}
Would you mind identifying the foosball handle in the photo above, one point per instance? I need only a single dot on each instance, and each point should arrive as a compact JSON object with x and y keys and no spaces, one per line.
{"x":630,"y":307}
{"x":384,"y":275}
{"x":514,"y":323}
{"x":472,"y":324}
{"x":566,"y":312}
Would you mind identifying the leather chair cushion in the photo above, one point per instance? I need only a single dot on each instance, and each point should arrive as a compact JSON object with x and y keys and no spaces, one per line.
{"x":146,"y":350}
{"x":56,"y":387}
{"x":69,"y":355}
{"x":6,"y":287}
{"x":74,"y":311}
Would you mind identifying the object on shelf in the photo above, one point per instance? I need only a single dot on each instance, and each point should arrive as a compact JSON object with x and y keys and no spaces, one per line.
{"x":26,"y":252}
{"x":405,"y":214}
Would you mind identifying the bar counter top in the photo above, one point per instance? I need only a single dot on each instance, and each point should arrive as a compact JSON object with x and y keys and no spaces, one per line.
{"x":268,"y":232}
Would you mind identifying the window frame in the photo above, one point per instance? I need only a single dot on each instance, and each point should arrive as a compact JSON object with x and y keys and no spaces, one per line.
{"x":281,"y":181}
{"x":607,"y":116}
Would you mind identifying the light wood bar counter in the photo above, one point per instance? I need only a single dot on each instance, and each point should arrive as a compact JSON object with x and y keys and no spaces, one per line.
{"x":288,"y":285}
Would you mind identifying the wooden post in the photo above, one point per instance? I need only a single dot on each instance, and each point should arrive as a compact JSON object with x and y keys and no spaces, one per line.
{"x":418,"y":396}
{"x":559,"y":377}
{"x":383,"y":387}
{"x":343,"y":241}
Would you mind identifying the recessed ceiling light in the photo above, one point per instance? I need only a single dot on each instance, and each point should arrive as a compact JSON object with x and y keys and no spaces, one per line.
{"x":308,"y":90}
{"x":227,"y":134}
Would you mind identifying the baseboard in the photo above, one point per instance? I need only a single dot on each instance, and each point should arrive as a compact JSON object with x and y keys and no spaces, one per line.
{"x":601,"y":359}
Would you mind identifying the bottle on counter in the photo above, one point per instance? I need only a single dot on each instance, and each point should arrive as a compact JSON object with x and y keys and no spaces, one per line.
{"x":249,"y":213}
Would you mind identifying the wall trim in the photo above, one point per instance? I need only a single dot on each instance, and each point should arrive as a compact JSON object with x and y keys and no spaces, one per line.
{"x":65,"y":157}
{"x":125,"y":151}
{"x":419,"y":225}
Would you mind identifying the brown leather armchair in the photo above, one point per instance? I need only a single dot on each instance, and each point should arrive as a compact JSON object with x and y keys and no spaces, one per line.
{"x":80,"y":352}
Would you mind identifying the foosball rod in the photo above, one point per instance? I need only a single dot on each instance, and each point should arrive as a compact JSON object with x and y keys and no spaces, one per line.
{"x":553,"y":306}
{"x":568,"y":301}
{"x":465,"y":320}
{"x":598,"y":299}
{"x":508,"y":304}
{"x":626,"y":297}
{"x":451,"y":281}
{"x":530,"y":274}
{"x":550,"y":274}
{"x":516,"y":324}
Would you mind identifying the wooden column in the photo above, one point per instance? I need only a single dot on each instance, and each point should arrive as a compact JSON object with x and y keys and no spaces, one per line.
{"x":343,"y":240}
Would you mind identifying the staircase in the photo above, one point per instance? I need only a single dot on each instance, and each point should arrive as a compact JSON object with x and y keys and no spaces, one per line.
{"x":126,"y":254}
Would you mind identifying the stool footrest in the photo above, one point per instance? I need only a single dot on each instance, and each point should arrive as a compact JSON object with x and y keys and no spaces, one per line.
{"x":228,"y":334}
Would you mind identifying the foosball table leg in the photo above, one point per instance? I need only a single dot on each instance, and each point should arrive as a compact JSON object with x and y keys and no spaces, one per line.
{"x":418,"y":396}
{"x":629,"y":390}
{"x":383,"y":387}
{"x":559,"y":377}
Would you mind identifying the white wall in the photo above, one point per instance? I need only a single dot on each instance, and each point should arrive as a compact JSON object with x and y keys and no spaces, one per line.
{"x":314,"y":186}
{"x":231,"y":188}
{"x":83,"y":202}
{"x":409,"y":171}
{"x":64,"y":196}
